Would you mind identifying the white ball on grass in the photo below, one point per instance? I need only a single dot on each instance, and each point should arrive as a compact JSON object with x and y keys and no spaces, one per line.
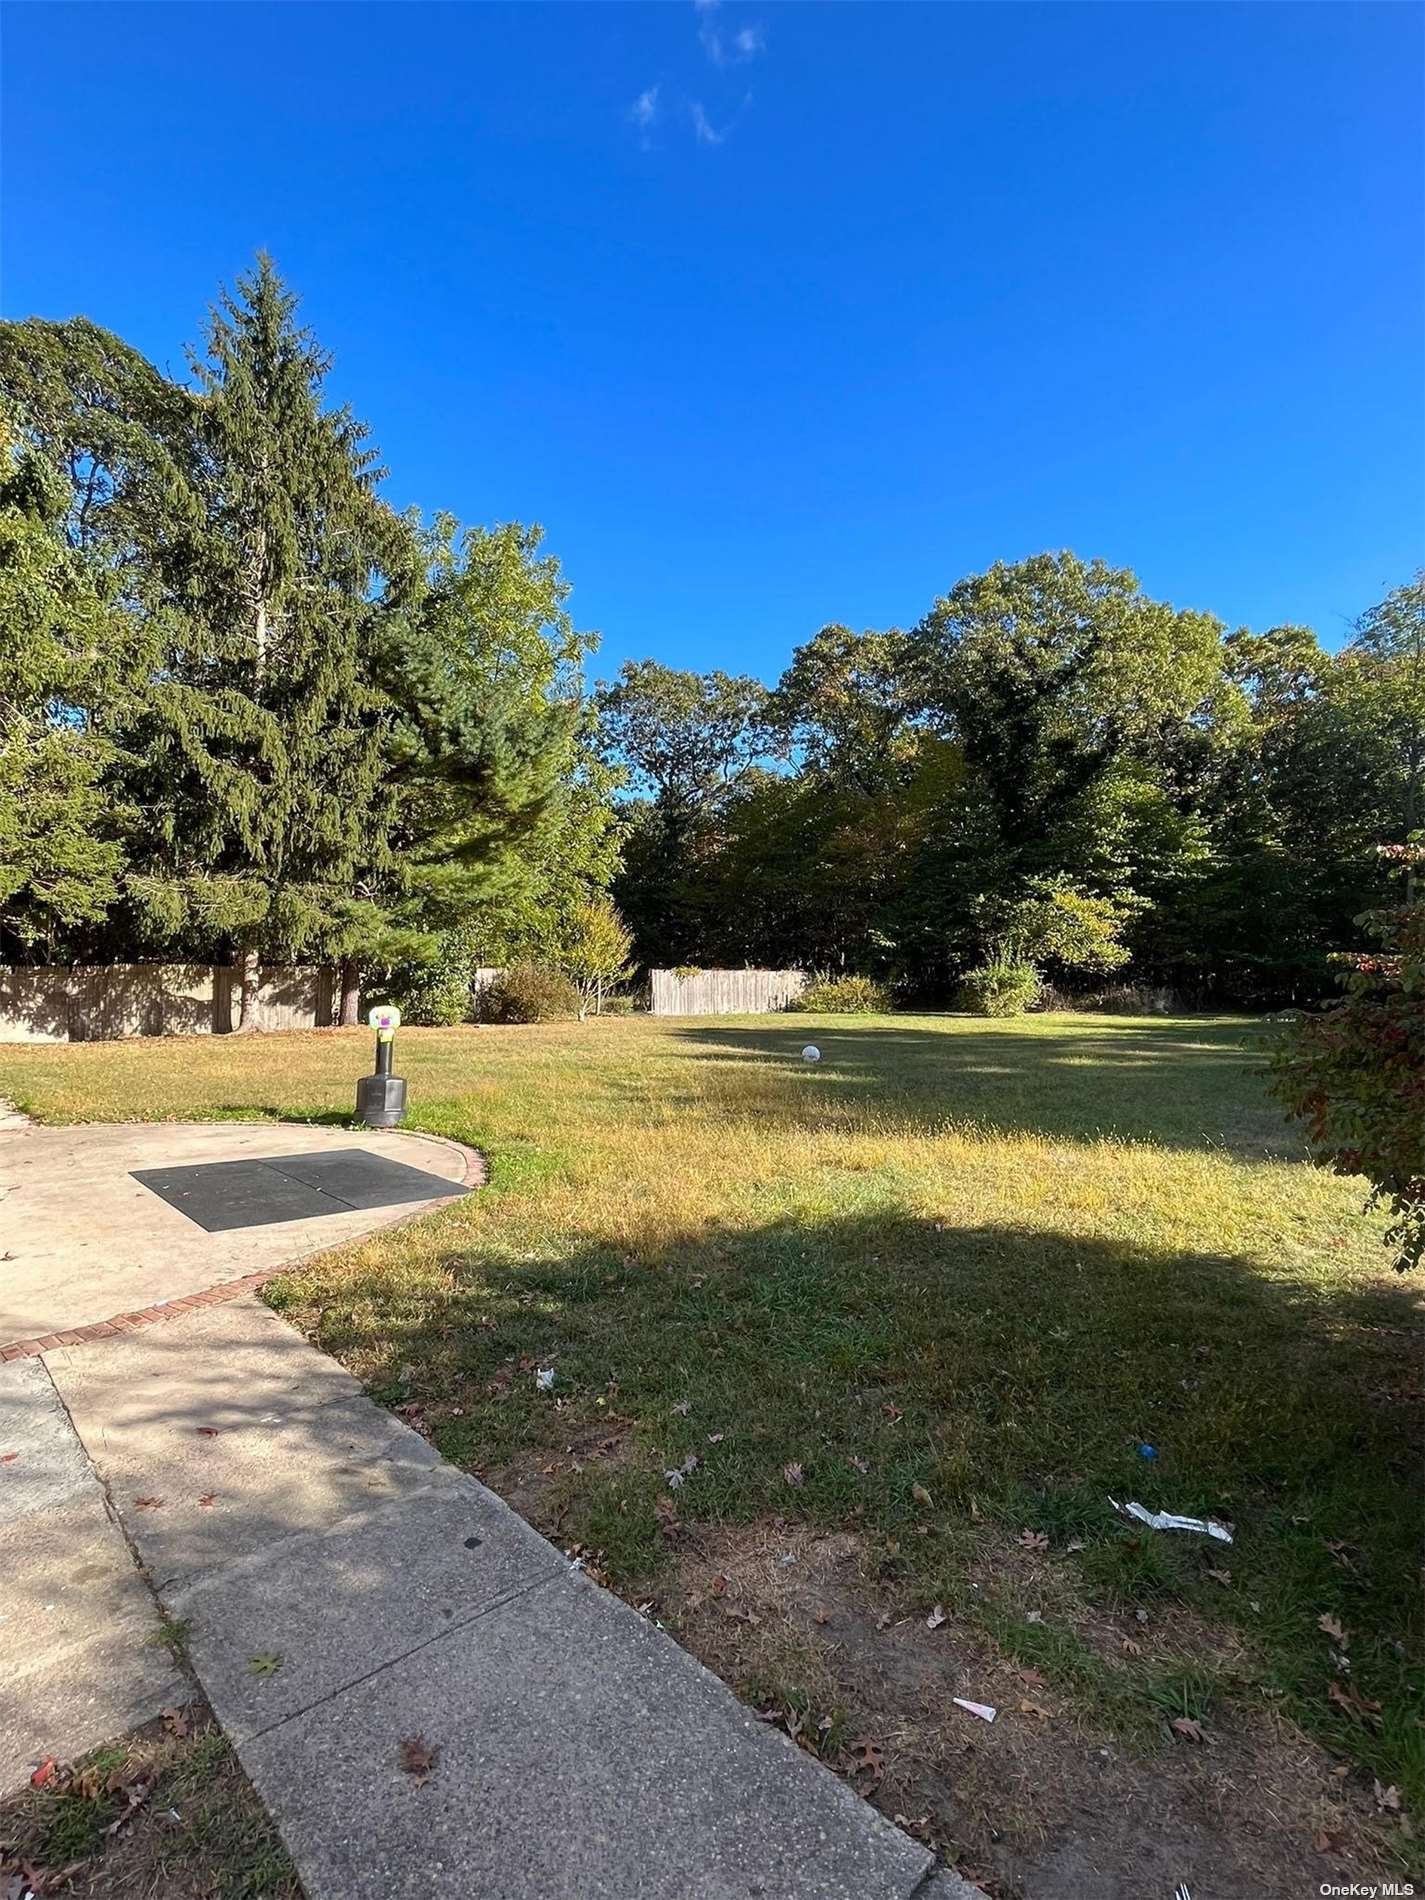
{"x":811,"y":1053}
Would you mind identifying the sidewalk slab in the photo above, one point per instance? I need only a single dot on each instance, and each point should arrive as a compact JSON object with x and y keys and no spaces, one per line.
{"x":78,"y":1664}
{"x":236,"y":1443}
{"x":340,"y":1603}
{"x":583,"y":1755}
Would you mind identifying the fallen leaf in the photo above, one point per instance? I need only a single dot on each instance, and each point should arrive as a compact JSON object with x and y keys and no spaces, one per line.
{"x":9,"y":1458}
{"x":716,"y":1438}
{"x":1033,"y":1677}
{"x":858,"y":1464}
{"x":1331,"y":1626}
{"x":148,"y":1504}
{"x":866,"y":1759}
{"x":45,"y":1773}
{"x":1185,"y":1726}
{"x":1224,"y":1577}
{"x":821,"y":1615}
{"x":884,"y":1620}
{"x":1354,"y":1703}
{"x":207,"y":1431}
{"x":1027,"y":1707}
{"x":1129,"y":1647}
{"x":718,"y":1586}
{"x":176,"y":1722}
{"x":892,"y":1412}
{"x":1327,"y":1840}
{"x":265,"y":1665}
{"x":1034,"y":1540}
{"x":683,"y":1407}
{"x":1387,"y":1799}
{"x":418,"y":1757}
{"x":935,"y":1618}
{"x":1075,"y":1543}
{"x":922,"y":1496}
{"x":793,"y":1474}
{"x":208,"y":1499}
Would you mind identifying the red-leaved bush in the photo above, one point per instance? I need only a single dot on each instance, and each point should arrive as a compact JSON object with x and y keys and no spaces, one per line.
{"x":1354,"y":1072}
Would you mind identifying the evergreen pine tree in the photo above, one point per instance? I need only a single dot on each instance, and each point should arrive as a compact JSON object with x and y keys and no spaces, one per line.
{"x":263,"y":766}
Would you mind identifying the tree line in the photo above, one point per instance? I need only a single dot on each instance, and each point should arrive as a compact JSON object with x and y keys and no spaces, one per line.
{"x":1051,"y":775}
{"x":249,"y":712}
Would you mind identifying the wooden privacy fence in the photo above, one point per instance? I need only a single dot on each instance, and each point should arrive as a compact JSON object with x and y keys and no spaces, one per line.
{"x":99,"y":1002}
{"x":724,"y":992}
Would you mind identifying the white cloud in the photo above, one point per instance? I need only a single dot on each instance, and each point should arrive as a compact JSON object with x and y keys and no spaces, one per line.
{"x":749,"y":42}
{"x":644,"y":110}
{"x":705,"y":132}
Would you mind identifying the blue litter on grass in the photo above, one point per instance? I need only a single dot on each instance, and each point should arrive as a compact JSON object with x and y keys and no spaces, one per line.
{"x":1146,"y":1451}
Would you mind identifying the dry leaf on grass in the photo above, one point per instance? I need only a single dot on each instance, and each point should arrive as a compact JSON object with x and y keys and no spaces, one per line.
{"x":793,"y":1474}
{"x":265,"y":1665}
{"x":417,"y":1758}
{"x":936,"y":1617}
{"x":1387,"y":1799}
{"x":1034,"y":1540}
{"x":1185,"y":1726}
{"x":176,"y":1722}
{"x":821,"y":1614}
{"x":922,"y":1496}
{"x":1349,"y":1697}
{"x":1224,"y":1577}
{"x":1027,"y":1707}
{"x":858,"y":1464}
{"x":1331,"y":1626}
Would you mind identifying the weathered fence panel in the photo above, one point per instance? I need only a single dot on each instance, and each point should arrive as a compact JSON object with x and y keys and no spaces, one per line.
{"x":102,"y":1002}
{"x":724,"y":992}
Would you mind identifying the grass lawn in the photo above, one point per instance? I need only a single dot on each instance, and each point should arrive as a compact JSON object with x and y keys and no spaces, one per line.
{"x":905,"y":1320}
{"x":163,"y":1814}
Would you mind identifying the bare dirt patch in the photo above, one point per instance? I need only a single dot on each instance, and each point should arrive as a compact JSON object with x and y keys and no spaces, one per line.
{"x":1048,"y":1802}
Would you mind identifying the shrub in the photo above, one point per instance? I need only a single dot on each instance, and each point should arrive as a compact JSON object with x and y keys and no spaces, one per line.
{"x":1005,"y":986}
{"x":843,"y":996}
{"x":529,"y":993}
{"x":1355,"y":1071}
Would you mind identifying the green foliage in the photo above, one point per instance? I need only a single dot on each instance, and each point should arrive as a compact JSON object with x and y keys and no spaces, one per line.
{"x":59,"y":859}
{"x":251,"y":708}
{"x":1069,"y":929}
{"x":1355,"y":1072}
{"x":1004,"y":986}
{"x":843,"y":996}
{"x":595,"y":951}
{"x":530,"y":993}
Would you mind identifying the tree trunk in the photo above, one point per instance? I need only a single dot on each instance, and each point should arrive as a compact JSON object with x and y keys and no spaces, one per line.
{"x":249,"y":978}
{"x":350,"y":994}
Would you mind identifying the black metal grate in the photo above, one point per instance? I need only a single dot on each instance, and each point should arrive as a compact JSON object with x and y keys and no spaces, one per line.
{"x":221,"y":1195}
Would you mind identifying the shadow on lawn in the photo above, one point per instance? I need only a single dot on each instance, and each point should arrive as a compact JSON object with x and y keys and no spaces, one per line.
{"x":1177,"y":1084}
{"x":1013,"y":1375}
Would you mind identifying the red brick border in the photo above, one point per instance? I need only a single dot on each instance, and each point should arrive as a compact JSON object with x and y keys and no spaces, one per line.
{"x":473,"y":1177}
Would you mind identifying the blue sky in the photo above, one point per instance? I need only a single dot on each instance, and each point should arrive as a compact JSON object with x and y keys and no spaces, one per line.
{"x":780,"y":314}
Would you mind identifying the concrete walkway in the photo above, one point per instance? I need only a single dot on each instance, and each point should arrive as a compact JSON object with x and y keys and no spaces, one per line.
{"x":85,"y":1243}
{"x":342,"y":1590}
